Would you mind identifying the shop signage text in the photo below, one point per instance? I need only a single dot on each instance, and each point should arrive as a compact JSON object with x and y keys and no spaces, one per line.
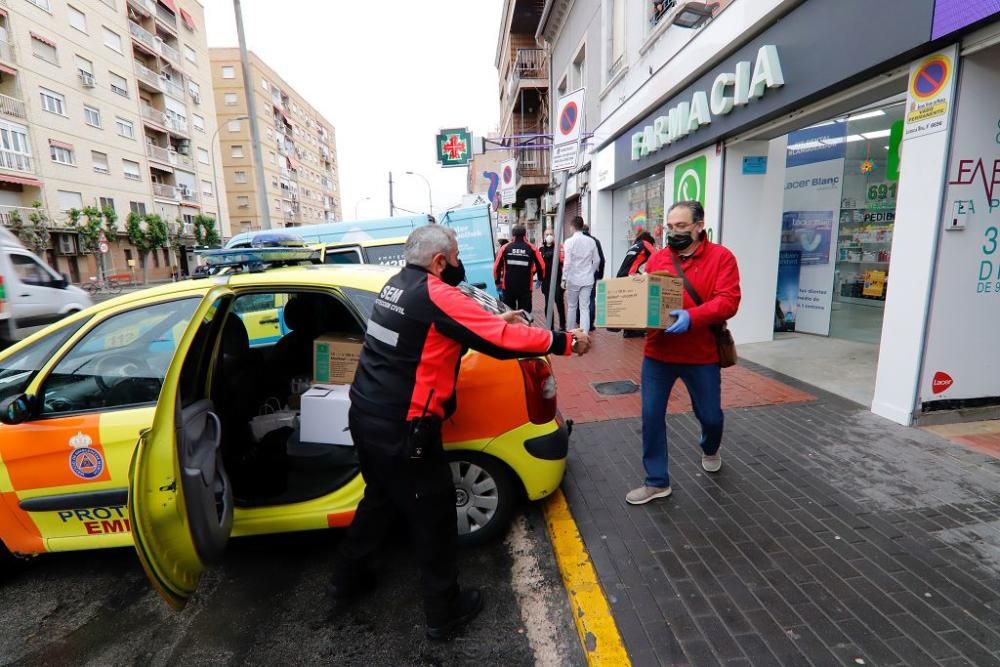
{"x":730,"y":90}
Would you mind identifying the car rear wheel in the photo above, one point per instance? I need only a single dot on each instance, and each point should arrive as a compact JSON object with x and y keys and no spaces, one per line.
{"x":485,"y":497}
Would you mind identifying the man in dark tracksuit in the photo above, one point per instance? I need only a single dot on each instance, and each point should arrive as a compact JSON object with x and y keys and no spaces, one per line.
{"x":598,"y":275}
{"x":419,"y":328}
{"x":514,"y":271}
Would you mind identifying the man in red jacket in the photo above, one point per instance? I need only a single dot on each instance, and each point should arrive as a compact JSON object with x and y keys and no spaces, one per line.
{"x":687,"y":348}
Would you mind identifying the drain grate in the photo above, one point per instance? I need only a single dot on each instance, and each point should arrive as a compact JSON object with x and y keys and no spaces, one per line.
{"x":616,"y":388}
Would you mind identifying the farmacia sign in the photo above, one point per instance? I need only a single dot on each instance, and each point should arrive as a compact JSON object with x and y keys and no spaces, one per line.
{"x":730,"y":90}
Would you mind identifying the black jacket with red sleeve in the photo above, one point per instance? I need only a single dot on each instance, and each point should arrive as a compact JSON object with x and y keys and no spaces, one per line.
{"x":515,"y":267}
{"x":637,"y":255}
{"x":417,"y":333}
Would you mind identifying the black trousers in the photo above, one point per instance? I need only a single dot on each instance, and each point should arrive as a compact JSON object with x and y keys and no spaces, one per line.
{"x":421,"y":491}
{"x":560,"y":305}
{"x":519,"y":301}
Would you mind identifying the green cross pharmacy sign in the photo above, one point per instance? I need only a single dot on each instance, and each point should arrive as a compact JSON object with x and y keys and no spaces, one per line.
{"x":454,"y":147}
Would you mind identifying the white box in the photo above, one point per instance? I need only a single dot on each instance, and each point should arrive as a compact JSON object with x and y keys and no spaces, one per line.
{"x":324,"y":415}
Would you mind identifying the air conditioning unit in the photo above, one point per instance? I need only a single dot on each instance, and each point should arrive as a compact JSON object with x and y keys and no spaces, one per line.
{"x":87,"y":79}
{"x":183,"y":146}
{"x":185,"y":190}
{"x":549,"y":203}
{"x":67,"y":244}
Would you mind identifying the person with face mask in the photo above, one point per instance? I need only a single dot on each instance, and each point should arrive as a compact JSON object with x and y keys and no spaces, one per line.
{"x":514,"y":270}
{"x":548,"y":251}
{"x":687,"y":349}
{"x":417,"y":334}
{"x":635,"y":261}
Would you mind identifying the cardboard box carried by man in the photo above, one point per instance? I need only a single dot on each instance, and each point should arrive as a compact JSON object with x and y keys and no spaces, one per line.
{"x":642,"y":301}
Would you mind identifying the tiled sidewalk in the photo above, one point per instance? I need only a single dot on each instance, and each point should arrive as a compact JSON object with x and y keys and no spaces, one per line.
{"x":831,"y":537}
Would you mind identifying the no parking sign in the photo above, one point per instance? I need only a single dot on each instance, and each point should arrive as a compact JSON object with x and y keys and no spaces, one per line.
{"x":508,"y":179}
{"x":566,"y":134}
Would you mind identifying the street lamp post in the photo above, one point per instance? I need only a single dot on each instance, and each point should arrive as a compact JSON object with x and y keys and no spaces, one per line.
{"x":430,"y":200}
{"x":215,"y":181}
{"x":357,"y":204}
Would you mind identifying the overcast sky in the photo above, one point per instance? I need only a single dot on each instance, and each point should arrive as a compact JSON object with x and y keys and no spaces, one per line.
{"x":388,"y":74}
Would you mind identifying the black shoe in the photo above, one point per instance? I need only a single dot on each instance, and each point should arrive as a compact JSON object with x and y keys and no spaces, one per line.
{"x":465,"y":608}
{"x":349,"y":589}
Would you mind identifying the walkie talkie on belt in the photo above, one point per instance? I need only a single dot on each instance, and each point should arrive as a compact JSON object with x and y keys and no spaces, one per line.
{"x":422,"y":432}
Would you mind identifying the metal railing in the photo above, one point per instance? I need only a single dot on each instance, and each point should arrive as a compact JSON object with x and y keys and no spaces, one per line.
{"x":14,"y":161}
{"x":166,"y":191}
{"x":172,"y":88}
{"x":159,"y":153}
{"x":147,"y":76}
{"x":143,"y":35}
{"x":527,"y":64}
{"x":166,"y":17}
{"x":533,"y":162}
{"x":169,"y":52}
{"x":144,"y":7}
{"x":176,"y":124}
{"x":22,"y":212}
{"x":11,"y":106}
{"x":7,"y":51}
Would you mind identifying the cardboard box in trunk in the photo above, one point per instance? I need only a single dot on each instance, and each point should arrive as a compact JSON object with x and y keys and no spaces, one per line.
{"x":323,"y":418}
{"x":335,"y":358}
{"x":642,"y":301}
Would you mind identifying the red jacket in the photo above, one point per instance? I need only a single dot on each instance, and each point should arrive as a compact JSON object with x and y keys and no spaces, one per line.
{"x":713,"y":273}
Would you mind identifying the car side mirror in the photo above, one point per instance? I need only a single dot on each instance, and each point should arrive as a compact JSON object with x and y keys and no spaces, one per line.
{"x":16,"y":409}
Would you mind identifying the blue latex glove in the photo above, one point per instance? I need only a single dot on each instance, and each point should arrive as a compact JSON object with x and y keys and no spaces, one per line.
{"x":682,"y":324}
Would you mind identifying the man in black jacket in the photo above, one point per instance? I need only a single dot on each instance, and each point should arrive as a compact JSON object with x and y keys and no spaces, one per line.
{"x":514,"y":270}
{"x":418,"y":331}
{"x":598,"y":275}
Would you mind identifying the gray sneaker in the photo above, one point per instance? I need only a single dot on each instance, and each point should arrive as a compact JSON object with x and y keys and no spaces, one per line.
{"x":712,"y":463}
{"x":644,"y":494}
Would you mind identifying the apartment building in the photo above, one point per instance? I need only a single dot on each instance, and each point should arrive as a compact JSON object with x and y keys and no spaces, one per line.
{"x":299,"y":148}
{"x":102,"y":104}
{"x":524,"y":105}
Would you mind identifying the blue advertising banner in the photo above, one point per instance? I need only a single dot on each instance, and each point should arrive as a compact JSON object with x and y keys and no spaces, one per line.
{"x":816,"y":144}
{"x":807,"y":232}
{"x":787,"y":299}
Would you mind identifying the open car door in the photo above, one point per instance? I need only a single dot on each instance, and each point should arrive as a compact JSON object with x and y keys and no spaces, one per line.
{"x":180,"y":501}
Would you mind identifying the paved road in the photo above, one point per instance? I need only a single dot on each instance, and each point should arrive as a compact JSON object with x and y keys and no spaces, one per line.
{"x":269,"y":604}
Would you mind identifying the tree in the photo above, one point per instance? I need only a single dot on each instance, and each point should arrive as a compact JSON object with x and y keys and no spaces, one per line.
{"x":110,"y":223}
{"x":147,"y":233}
{"x":90,"y":231}
{"x":205,"y":232}
{"x":35,"y":236}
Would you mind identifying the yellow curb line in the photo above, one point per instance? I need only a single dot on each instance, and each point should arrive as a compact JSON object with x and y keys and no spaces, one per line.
{"x":602,"y":643}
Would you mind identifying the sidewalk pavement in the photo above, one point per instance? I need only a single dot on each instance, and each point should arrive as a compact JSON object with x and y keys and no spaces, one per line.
{"x":830,"y":537}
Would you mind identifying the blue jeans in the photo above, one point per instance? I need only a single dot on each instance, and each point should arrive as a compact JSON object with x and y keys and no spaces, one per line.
{"x":704,"y":384}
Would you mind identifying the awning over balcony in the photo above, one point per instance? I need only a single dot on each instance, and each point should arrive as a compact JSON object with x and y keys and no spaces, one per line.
{"x":60,"y":144}
{"x":8,"y":70}
{"x":169,"y":4}
{"x":293,"y":163}
{"x":188,"y":20}
{"x":20,"y":180}
{"x":41,"y":38}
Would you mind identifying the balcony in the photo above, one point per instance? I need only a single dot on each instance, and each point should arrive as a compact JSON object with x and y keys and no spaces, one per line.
{"x":14,"y":161}
{"x":165,"y":191}
{"x":166,"y":18}
{"x":154,"y":116}
{"x":529,"y":67}
{"x":189,"y":196}
{"x":148,"y":77}
{"x":160,"y":154}
{"x":7,"y":51}
{"x":145,"y":8}
{"x":11,"y":106}
{"x":172,"y":88}
{"x":22,"y":212}
{"x":168,"y":52}
{"x":175,"y":124}
{"x":532,"y":166}
{"x":143,"y":36}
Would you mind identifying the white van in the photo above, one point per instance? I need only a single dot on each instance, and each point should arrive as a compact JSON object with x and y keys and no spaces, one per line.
{"x":32,"y":295}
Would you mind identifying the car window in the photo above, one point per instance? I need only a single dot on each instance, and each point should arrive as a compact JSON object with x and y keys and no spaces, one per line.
{"x":386,"y":255}
{"x":120,"y":362}
{"x":19,"y":369}
{"x":30,"y":272}
{"x":252,"y":303}
{"x":363,"y":300}
{"x":351,"y":256}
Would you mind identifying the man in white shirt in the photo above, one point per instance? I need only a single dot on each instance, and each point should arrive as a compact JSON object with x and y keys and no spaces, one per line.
{"x":582,"y":260}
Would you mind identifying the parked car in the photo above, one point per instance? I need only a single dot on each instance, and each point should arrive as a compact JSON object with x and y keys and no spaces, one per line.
{"x":32,"y":295}
{"x":133,"y":420}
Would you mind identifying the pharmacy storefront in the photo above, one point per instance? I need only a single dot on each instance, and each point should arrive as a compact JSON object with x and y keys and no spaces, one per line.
{"x":809,"y":157}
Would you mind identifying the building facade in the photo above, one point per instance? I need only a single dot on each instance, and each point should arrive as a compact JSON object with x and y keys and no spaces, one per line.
{"x":299,"y":148}
{"x":805,"y":152}
{"x":106,"y":103}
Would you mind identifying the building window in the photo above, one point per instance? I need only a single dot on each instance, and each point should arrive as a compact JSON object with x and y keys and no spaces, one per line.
{"x":239,"y":177}
{"x":233,"y":126}
{"x":138,"y":208}
{"x":274,"y":158}
{"x":125,"y":128}
{"x":111,"y":4}
{"x":67,"y":199}
{"x":202,"y":156}
{"x":77,"y":19}
{"x":190,"y":55}
{"x":236,"y":151}
{"x":92,"y":116}
{"x":229,"y":99}
{"x":85,"y":66}
{"x":106,"y":202}
{"x":245,"y":225}
{"x":53,"y":102}
{"x":198,"y":121}
{"x":265,"y":85}
{"x":128,"y":251}
{"x":578,"y":72}
{"x":195,"y":90}
{"x":112,"y":39}
{"x":43,"y":4}
{"x":44,"y":48}
{"x":62,"y":153}
{"x":131,"y":170}
{"x":243,"y":201}
{"x":206,"y":189}
{"x":616,"y":39}
{"x":119,"y":84}
{"x":228,"y":72}
{"x":100,"y":161}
